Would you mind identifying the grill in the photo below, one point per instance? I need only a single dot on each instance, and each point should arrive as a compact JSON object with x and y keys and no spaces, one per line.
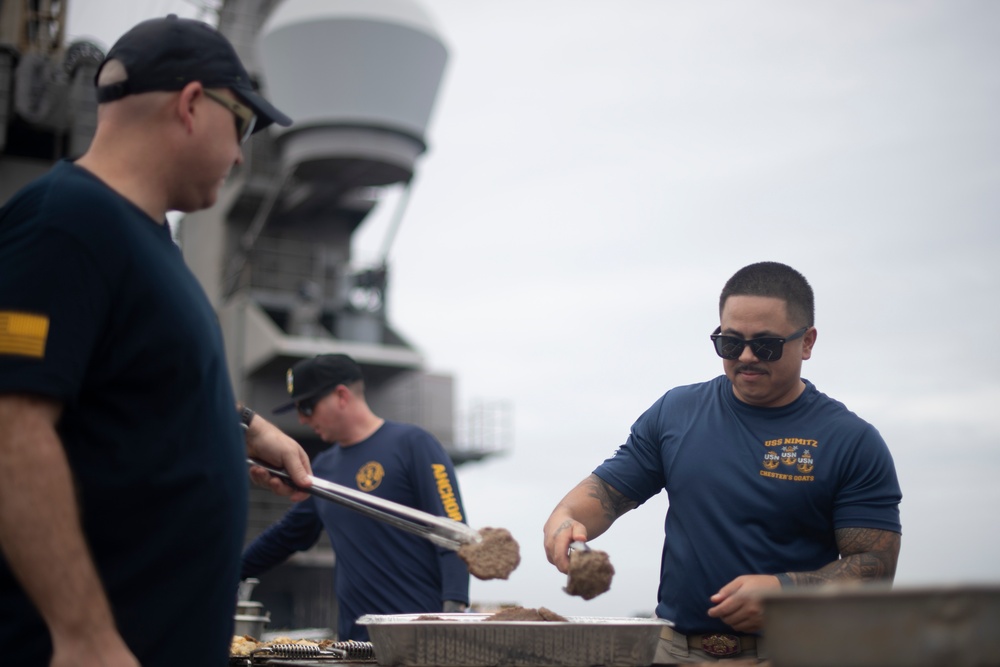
{"x":340,"y":654}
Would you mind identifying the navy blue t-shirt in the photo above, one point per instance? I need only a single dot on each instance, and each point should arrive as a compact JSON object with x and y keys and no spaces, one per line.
{"x":751,"y":490}
{"x":380,"y":569}
{"x":99,"y":311}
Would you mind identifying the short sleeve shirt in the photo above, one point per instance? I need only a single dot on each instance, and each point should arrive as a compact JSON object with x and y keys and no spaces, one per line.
{"x":99,"y":311}
{"x":750,"y":490}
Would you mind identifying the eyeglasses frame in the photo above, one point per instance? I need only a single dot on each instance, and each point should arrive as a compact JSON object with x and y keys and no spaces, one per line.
{"x":246,"y":119}
{"x":308,"y":410}
{"x":778,"y":340}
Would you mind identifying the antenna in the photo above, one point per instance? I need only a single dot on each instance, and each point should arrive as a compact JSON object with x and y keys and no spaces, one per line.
{"x":397,"y":220}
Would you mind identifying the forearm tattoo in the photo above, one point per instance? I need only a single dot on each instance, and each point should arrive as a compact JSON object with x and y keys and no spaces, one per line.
{"x":613,"y":503}
{"x":866,"y":554}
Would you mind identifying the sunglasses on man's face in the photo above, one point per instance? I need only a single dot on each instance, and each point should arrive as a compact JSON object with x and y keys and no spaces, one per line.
{"x":307,"y":406}
{"x":245,"y":118}
{"x":765,"y":348}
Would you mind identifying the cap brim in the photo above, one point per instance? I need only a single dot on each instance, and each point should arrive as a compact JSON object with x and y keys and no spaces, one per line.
{"x":266,"y":112}
{"x":285,"y":407}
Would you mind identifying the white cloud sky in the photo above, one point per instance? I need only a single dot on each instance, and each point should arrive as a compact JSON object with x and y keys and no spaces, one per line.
{"x":597,"y":170}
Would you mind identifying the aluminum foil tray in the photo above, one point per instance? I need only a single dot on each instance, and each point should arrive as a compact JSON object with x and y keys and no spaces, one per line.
{"x":464,"y":640}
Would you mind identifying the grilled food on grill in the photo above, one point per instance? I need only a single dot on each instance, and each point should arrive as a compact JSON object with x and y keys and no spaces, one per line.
{"x":245,"y":645}
{"x":493,"y":558}
{"x":242,"y":646}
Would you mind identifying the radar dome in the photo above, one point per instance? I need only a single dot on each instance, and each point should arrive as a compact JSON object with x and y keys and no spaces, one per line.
{"x":348,"y":70}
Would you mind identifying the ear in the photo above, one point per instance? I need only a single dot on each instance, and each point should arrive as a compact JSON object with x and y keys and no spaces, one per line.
{"x":187,"y":101}
{"x":808,"y":340}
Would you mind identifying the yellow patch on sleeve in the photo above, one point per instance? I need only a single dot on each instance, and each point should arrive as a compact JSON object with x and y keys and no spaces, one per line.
{"x":23,"y":334}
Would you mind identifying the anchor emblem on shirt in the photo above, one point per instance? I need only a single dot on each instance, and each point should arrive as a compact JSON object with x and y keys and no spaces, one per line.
{"x":370,"y":476}
{"x":788,"y":455}
{"x":771,"y":460}
{"x":805,"y":463}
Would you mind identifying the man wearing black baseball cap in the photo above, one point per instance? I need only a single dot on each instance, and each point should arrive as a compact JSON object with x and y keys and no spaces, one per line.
{"x":170,"y":53}
{"x":124,"y":502}
{"x":175,"y":107}
{"x":310,"y":379}
{"x":391,"y":460}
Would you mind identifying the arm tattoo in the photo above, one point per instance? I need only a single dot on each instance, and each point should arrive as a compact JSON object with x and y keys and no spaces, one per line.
{"x":866,"y":554}
{"x":612,"y":502}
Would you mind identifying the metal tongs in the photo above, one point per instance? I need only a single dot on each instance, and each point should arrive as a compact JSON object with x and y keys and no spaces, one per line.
{"x":440,"y":530}
{"x":575,"y":546}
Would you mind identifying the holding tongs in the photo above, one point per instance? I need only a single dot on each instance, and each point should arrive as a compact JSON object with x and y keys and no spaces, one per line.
{"x":440,"y":530}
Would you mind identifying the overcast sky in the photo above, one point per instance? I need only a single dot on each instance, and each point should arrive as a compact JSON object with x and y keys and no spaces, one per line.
{"x":597,"y":170}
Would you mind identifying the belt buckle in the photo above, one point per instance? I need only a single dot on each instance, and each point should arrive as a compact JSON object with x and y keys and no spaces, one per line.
{"x":720,"y":645}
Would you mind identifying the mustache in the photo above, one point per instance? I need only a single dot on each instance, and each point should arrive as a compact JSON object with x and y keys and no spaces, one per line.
{"x":750,"y":368}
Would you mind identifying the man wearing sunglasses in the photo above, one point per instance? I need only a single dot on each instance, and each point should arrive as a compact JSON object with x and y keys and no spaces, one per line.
{"x":770,"y":482}
{"x":124,"y":496}
{"x":380,"y":569}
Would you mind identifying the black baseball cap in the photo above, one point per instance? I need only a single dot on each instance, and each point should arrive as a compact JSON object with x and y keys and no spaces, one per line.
{"x":311,"y":377}
{"x":169,"y":53}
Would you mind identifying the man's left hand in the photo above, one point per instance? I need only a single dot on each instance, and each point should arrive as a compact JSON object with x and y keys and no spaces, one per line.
{"x":739,"y":604}
{"x":268,"y":443}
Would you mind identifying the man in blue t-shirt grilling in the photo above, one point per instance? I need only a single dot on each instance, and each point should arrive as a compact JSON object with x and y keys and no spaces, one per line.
{"x":770,"y":482}
{"x":379,"y":569}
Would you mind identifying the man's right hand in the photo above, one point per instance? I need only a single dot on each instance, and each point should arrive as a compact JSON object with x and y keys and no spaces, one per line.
{"x":584,"y":513}
{"x":560,"y":532}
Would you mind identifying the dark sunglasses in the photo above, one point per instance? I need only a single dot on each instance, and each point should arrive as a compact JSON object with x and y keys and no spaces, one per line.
{"x":307,"y":405}
{"x":765,"y":348}
{"x":246,"y":119}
